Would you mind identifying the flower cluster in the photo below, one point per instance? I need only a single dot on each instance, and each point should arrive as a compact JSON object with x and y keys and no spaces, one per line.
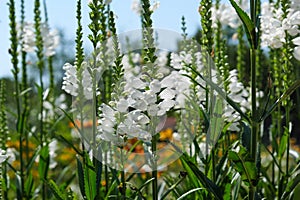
{"x":50,"y":38}
{"x":224,"y":13}
{"x":71,"y":81}
{"x":144,"y":98}
{"x":274,"y":27}
{"x":239,"y":94}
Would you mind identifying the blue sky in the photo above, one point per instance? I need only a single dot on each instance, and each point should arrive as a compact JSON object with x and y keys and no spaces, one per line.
{"x":62,"y":15}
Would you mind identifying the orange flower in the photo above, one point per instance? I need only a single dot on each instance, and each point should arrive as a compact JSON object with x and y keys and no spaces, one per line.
{"x":166,"y":134}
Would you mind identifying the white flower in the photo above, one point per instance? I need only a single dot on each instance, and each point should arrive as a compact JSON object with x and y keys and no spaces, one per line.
{"x":155,"y":86}
{"x":136,"y":6}
{"x":53,"y":146}
{"x":122,"y":105}
{"x":165,"y":106}
{"x":106,"y":123}
{"x":296,"y":51}
{"x":3,"y":156}
{"x":274,"y":27}
{"x":87,"y":84}
{"x":150,"y":97}
{"x":70,"y":83}
{"x":50,"y":38}
{"x":167,"y":94}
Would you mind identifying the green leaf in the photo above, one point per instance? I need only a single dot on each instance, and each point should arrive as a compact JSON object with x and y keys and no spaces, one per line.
{"x":112,"y":187}
{"x":248,"y":24}
{"x":227,"y":192}
{"x":188,"y":193}
{"x":215,"y":87}
{"x":216,"y":122}
{"x":284,"y":96}
{"x":80,"y":176}
{"x":89,"y":179}
{"x":247,"y":169}
{"x":236,"y":183}
{"x":246,"y":135}
{"x":44,"y":162}
{"x":33,"y":159}
{"x":283,"y":142}
{"x":196,"y":175}
{"x":63,"y":139}
{"x":55,"y":190}
{"x":28,"y":187}
{"x":292,"y":184}
{"x":172,"y":187}
{"x":145,"y":184}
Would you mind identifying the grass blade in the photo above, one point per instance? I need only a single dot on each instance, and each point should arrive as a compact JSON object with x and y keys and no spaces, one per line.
{"x":189,"y":192}
{"x":284,"y":96}
{"x":196,"y":175}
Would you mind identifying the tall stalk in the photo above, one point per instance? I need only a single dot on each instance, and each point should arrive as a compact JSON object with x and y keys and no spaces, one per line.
{"x":251,"y":27}
{"x":254,"y":113}
{"x":149,"y":59}
{"x":40,"y":64}
{"x":287,"y":78}
{"x":3,"y":139}
{"x":14,"y":60}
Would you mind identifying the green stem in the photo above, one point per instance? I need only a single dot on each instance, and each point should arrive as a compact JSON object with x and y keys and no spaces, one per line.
{"x":288,"y":140}
{"x":154,"y":169}
{"x":94,"y":112}
{"x":254,"y":117}
{"x":123,"y":180}
{"x":51,"y":77}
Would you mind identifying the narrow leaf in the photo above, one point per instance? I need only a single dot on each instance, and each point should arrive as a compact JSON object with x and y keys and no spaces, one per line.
{"x":284,"y":96}
{"x":216,"y":122}
{"x":28,"y":185}
{"x":247,"y":169}
{"x":55,"y":190}
{"x":206,"y":182}
{"x":188,"y":193}
{"x":215,"y":87}
{"x":248,"y":24}
{"x":283,"y":142}
{"x":227,"y":192}
{"x":44,"y":162}
{"x":80,"y":176}
{"x":293,"y":182}
{"x":89,"y":179}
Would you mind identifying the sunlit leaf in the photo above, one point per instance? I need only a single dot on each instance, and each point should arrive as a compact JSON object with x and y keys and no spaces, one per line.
{"x":216,"y":122}
{"x":185,"y":195}
{"x":248,"y":24}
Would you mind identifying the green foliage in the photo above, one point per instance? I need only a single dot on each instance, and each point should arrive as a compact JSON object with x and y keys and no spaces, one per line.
{"x":220,"y":163}
{"x":243,"y":164}
{"x":199,"y":179}
{"x":249,"y":26}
